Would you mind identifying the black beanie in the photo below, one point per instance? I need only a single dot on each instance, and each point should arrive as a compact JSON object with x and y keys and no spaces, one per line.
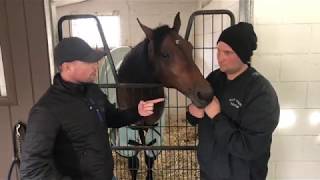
{"x":242,"y":39}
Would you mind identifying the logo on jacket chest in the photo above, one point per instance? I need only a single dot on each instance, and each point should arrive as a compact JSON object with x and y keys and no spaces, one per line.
{"x":234,"y":102}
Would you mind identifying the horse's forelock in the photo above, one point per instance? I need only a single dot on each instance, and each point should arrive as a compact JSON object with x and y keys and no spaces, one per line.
{"x":159,"y":34}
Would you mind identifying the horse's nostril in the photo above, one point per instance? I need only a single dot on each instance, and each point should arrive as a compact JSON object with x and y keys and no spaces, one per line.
{"x":201,"y":96}
{"x":205,"y":96}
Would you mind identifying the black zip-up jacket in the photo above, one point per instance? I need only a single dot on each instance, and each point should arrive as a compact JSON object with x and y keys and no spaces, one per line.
{"x":235,"y":145}
{"x":67,"y":134}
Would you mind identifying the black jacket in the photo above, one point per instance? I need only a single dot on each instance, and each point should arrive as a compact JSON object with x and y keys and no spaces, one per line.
{"x":235,"y":145}
{"x":67,"y":134}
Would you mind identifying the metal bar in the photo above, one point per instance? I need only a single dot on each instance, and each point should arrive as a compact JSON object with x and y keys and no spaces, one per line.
{"x":129,"y":85}
{"x":205,"y":12}
{"x":171,"y":148}
{"x":203,"y":39}
{"x":212,"y":51}
{"x":204,"y":48}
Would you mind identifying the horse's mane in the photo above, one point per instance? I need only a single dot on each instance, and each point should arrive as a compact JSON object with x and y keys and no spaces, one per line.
{"x":136,"y":68}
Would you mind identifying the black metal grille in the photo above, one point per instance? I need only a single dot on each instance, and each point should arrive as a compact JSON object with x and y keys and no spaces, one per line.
{"x":176,"y":148}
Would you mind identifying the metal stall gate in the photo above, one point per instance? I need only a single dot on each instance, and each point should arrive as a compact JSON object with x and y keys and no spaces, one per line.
{"x":175,"y":139}
{"x":171,"y":143}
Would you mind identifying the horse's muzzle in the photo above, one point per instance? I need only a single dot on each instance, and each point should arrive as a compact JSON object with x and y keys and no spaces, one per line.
{"x":203,"y":95}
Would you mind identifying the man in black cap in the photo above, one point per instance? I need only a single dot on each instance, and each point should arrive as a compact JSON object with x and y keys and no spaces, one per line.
{"x":235,"y":129}
{"x":67,"y":128}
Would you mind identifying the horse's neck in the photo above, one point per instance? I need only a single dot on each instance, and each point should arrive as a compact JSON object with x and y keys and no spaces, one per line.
{"x":135,"y":67}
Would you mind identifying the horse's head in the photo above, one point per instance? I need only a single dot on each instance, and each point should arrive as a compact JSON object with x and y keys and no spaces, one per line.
{"x":171,"y":58}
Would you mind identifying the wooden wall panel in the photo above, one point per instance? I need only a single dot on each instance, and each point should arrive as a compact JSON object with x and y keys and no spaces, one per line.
{"x":38,"y":50}
{"x":6,"y":148}
{"x":6,"y":58}
{"x":29,"y":56}
{"x":21,"y":58}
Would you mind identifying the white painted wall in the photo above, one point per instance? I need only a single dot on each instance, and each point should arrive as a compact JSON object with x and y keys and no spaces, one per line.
{"x":288,"y":55}
{"x":231,"y":5}
{"x":151,"y":13}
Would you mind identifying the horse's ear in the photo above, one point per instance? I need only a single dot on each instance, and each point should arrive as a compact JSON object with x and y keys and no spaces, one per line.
{"x":177,"y":23}
{"x":146,"y":30}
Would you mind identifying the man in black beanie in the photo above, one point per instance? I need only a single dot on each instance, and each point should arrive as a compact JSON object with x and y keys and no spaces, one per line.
{"x":235,"y":129}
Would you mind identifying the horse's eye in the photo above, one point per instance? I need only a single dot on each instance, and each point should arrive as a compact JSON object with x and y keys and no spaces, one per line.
{"x":165,"y":55}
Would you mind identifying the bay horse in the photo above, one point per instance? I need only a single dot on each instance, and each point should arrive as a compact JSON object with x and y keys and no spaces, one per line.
{"x":164,"y":58}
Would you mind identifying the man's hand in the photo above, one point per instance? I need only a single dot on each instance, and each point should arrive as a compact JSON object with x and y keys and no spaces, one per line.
{"x":145,"y":108}
{"x":196,"y":112}
{"x":213,"y":108}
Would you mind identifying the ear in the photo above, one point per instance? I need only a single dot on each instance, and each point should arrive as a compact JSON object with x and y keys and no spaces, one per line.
{"x":146,"y":30}
{"x":64,"y":67}
{"x":177,"y":23}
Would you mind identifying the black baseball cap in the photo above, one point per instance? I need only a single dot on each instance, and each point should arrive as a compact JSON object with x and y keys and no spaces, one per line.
{"x":74,"y":48}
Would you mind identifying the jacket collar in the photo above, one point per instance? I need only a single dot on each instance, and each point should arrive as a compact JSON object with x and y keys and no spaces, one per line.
{"x":69,"y":87}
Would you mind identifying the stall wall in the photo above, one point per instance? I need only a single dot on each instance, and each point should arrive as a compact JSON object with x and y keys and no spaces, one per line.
{"x":288,"y":55}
